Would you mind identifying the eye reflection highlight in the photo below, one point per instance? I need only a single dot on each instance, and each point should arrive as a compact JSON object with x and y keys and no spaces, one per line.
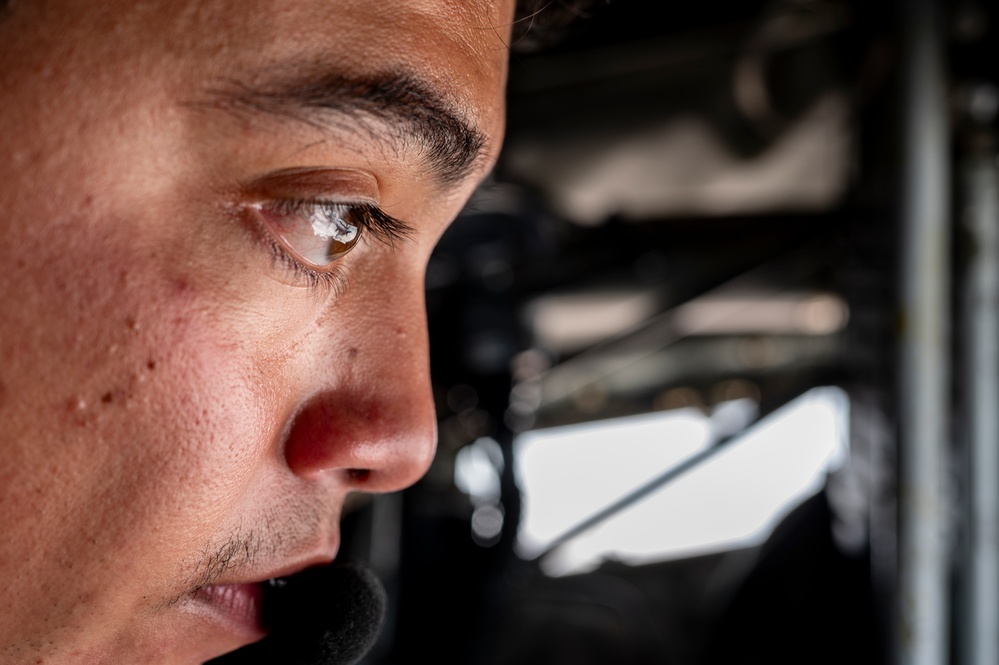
{"x":314,"y":233}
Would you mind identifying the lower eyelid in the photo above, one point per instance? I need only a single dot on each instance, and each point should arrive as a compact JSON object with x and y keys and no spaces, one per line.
{"x":332,"y":281}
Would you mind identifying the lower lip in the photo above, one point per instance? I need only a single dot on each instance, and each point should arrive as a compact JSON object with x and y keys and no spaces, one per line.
{"x":236,"y":606}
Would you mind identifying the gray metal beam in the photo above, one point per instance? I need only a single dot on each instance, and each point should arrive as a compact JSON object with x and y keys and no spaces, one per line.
{"x":924,"y":374}
{"x":980,"y":378}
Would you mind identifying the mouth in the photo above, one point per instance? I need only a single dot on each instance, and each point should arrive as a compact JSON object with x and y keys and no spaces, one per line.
{"x":324,"y":614}
{"x":243,"y":609}
{"x":246,"y":609}
{"x":237,"y":608}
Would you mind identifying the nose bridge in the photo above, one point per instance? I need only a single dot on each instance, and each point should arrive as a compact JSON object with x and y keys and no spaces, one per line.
{"x":372,"y":420}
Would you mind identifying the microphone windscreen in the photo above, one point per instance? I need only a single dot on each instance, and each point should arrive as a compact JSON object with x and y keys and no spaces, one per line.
{"x":329,"y":615}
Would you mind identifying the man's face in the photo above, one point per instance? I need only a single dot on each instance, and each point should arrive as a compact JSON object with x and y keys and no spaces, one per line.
{"x":190,"y":385}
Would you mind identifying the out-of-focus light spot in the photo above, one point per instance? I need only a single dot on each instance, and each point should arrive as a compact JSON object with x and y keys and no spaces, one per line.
{"x":487,"y":523}
{"x":821,"y":314}
{"x":576,"y":320}
{"x":476,"y":470}
{"x":740,"y":314}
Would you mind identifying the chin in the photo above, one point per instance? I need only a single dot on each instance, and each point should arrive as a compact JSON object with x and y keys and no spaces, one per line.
{"x":190,"y":631}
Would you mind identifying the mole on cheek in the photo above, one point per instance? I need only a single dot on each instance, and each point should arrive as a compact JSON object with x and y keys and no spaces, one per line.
{"x":120,"y":394}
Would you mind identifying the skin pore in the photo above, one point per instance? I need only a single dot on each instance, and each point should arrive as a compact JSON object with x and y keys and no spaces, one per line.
{"x":185,"y":403}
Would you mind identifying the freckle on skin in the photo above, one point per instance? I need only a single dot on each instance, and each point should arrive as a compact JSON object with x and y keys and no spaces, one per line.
{"x":3,"y":393}
{"x":351,"y":353}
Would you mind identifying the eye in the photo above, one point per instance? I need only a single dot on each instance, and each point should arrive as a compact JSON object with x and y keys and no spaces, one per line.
{"x":315,"y":233}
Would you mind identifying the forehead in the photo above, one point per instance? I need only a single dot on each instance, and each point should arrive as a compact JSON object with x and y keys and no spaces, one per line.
{"x":458,"y":45}
{"x":78,"y":72}
{"x":192,"y":23}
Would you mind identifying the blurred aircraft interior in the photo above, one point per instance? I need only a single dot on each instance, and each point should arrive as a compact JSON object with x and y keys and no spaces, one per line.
{"x":715,"y":351}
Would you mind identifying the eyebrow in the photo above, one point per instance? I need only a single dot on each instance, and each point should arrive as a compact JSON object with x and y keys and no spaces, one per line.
{"x":404,"y":104}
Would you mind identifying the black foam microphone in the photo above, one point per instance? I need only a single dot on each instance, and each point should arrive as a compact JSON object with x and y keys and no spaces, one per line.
{"x":322,"y":616}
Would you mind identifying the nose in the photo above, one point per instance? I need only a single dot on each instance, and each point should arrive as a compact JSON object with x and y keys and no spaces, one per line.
{"x":372,"y":421}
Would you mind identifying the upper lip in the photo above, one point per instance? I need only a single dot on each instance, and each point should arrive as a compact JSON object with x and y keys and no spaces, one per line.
{"x":321,"y":556}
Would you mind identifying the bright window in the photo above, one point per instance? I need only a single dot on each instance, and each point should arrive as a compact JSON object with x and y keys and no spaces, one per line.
{"x":732,"y":500}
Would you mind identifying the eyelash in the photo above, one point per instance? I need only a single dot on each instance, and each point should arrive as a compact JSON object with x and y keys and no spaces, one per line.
{"x":371,"y":221}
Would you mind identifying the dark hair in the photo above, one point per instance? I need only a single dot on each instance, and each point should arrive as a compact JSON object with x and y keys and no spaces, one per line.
{"x":540,"y":23}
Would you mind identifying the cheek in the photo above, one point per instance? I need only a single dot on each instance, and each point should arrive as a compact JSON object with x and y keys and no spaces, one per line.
{"x":182,"y":404}
{"x":133,"y":393}
{"x":135,"y":419}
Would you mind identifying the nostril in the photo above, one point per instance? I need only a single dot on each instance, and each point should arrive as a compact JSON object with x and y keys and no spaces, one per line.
{"x":358,"y":475}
